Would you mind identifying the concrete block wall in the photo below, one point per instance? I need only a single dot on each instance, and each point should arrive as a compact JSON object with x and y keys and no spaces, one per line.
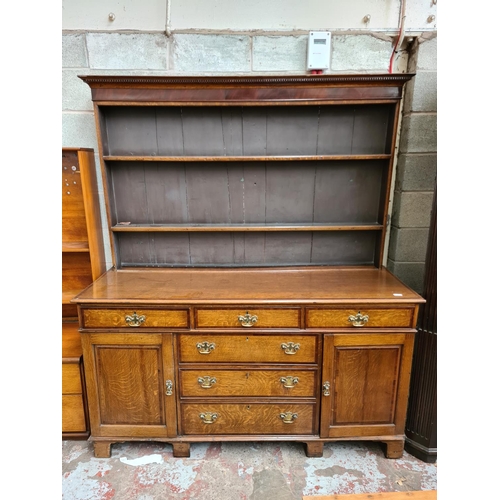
{"x":416,"y":170}
{"x":223,"y":53}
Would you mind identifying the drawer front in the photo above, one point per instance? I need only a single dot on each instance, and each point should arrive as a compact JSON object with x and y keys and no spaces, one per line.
{"x":266,"y":383}
{"x":73,"y":414}
{"x":248,"y":317}
{"x":71,"y":378}
{"x":135,"y":318}
{"x":238,"y":348}
{"x":359,"y":317}
{"x":252,"y":418}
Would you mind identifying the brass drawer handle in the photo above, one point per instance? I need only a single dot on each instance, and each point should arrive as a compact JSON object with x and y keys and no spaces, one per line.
{"x":289,"y":382}
{"x":290,"y":347}
{"x":326,"y":389}
{"x":207,"y":382}
{"x":359,"y":319}
{"x":169,"y":387}
{"x":135,"y":320}
{"x":205,"y":347}
{"x":209,"y":417}
{"x":288,"y":417}
{"x":247,"y":320}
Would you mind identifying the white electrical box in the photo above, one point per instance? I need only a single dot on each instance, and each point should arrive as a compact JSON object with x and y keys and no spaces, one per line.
{"x":318,"y":50}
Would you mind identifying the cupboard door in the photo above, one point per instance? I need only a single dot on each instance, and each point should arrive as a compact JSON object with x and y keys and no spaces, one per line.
{"x":365,"y":384}
{"x":130,"y":384}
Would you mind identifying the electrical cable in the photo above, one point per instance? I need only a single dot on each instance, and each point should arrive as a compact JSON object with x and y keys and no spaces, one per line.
{"x":397,"y":46}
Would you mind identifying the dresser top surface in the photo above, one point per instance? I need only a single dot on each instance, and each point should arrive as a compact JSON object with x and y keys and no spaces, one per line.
{"x":311,"y":285}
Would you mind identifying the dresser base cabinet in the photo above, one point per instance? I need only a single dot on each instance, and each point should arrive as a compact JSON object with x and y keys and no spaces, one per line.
{"x":169,"y":359}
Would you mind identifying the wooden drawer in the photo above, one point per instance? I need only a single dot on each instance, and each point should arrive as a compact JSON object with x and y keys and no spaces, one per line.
{"x":266,"y":383}
{"x":248,"y":317}
{"x":141,"y":318}
{"x":71,"y":378}
{"x":252,"y":418}
{"x":239,"y":348}
{"x":73,"y":414}
{"x":359,"y":317}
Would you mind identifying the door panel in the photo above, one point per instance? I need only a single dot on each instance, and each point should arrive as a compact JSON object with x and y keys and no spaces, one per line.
{"x":368,"y":377}
{"x":127,"y":384}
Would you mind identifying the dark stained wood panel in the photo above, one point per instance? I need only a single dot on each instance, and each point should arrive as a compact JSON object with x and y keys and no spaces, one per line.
{"x":144,"y":249}
{"x":225,"y":248}
{"x":246,"y":89}
{"x":371,"y":129}
{"x":238,"y":131}
{"x":169,"y":131}
{"x":344,"y":247}
{"x":292,"y":130}
{"x":289,"y":193}
{"x":207,"y":192}
{"x":247,"y":192}
{"x":348,"y":191}
{"x":131,"y":134}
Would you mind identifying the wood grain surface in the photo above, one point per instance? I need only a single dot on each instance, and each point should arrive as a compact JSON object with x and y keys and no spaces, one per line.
{"x":257,"y":286}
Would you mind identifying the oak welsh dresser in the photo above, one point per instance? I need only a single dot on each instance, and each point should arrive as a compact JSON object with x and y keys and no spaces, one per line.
{"x":248,"y":298}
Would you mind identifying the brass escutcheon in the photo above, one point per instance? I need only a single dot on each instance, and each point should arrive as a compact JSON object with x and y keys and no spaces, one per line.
{"x":169,"y":386}
{"x":208,"y":417}
{"x":207,"y":382}
{"x":289,"y":382}
{"x":135,"y":320}
{"x":288,"y":417}
{"x":205,"y":347}
{"x":326,"y":389}
{"x":290,"y":347}
{"x":247,"y":320}
{"x":359,"y":319}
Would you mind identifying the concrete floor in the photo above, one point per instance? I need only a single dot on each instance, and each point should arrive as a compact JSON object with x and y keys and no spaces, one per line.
{"x":236,"y":471}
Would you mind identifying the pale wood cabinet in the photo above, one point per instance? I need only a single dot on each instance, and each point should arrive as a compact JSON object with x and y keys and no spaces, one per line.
{"x":82,"y":262}
{"x":248,"y":300}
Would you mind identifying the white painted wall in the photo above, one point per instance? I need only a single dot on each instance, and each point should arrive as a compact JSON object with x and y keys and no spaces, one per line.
{"x":245,"y":15}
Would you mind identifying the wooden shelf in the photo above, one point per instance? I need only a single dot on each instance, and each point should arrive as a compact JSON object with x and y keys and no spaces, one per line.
{"x":247,"y":158}
{"x":75,"y":246}
{"x":139,"y":228}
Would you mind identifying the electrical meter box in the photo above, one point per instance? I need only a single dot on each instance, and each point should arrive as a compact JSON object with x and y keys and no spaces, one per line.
{"x":318,"y":50}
